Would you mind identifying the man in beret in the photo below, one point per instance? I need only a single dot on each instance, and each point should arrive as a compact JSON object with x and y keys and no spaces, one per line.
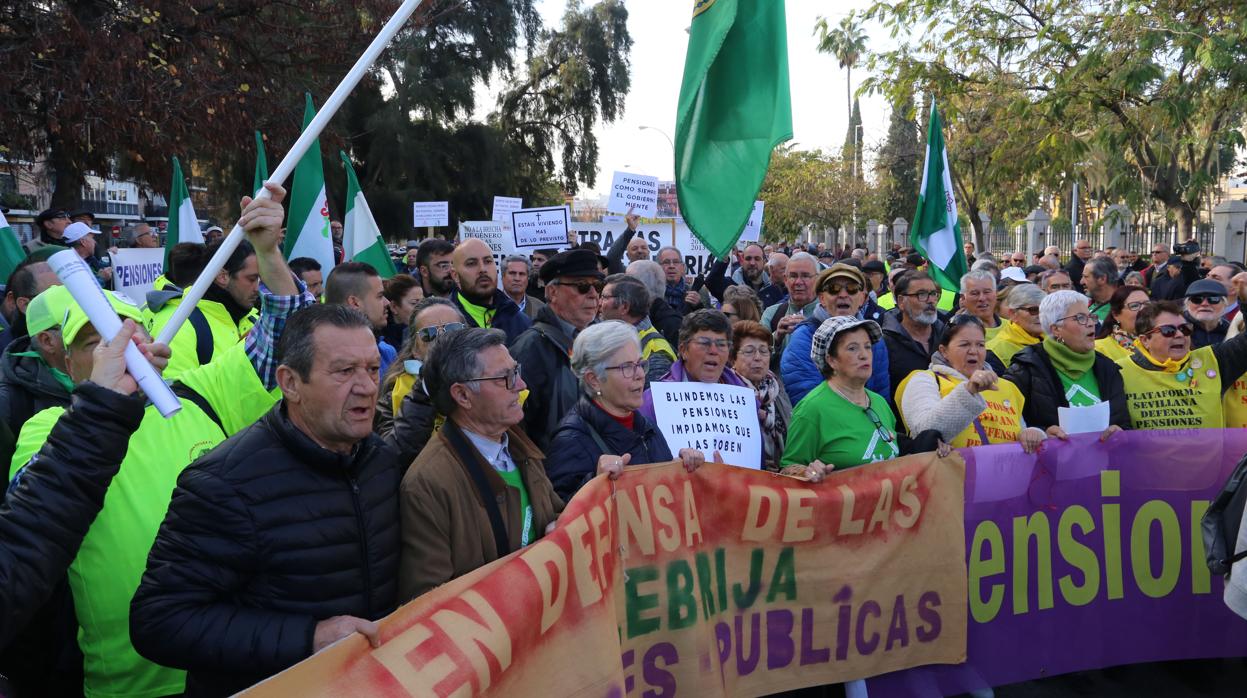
{"x":573,"y":282}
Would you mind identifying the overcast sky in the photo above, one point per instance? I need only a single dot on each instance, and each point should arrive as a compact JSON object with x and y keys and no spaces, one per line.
{"x":819,"y":114}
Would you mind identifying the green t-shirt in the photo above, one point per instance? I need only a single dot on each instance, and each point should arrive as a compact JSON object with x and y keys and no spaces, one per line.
{"x":514,"y":479}
{"x":828,"y":428}
{"x":1101,"y":311}
{"x":1083,"y":392}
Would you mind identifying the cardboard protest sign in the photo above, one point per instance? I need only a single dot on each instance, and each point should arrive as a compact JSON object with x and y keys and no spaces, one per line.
{"x":496,"y":234}
{"x":135,"y":270}
{"x":753,"y":227}
{"x":723,"y":582}
{"x":435,"y":214}
{"x":540,"y":227}
{"x":635,"y":192}
{"x":504,"y":205}
{"x":710,"y":417}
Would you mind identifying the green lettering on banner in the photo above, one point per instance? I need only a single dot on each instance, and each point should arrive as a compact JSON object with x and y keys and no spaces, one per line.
{"x":1141,"y":549}
{"x":784,"y":579}
{"x":1078,"y":555}
{"x":1024,"y":528}
{"x":745,"y":599}
{"x":638,"y":603}
{"x":704,"y":581}
{"x":681,"y":602}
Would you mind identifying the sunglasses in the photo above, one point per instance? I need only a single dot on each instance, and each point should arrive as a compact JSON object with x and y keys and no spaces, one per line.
{"x":432,"y":332}
{"x":884,"y":432}
{"x":582,"y":287}
{"x":1171,"y":331}
{"x":1032,"y":309}
{"x":1210,"y":300}
{"x":835,"y":287}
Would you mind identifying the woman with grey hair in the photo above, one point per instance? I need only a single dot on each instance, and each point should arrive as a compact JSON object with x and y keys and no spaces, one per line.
{"x":1065,"y":370}
{"x":1022,"y":329}
{"x":604,"y":432}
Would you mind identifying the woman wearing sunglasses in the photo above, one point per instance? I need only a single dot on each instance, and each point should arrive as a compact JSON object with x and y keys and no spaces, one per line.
{"x":1023,"y":328}
{"x":1116,"y":338}
{"x":604,"y":432}
{"x":431,"y":318}
{"x":841,"y":423}
{"x":1169,"y":386}
{"x":962,"y":397}
{"x":1065,"y":370}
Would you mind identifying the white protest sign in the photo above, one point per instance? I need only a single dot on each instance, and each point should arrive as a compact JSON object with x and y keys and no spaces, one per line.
{"x":605,"y":233}
{"x":634,"y":191}
{"x":135,"y":270}
{"x":504,"y":205}
{"x":540,"y":227}
{"x":435,"y":214}
{"x":496,"y":234}
{"x":710,"y":417}
{"x":697,"y":258}
{"x":753,"y":229}
{"x":610,"y":218}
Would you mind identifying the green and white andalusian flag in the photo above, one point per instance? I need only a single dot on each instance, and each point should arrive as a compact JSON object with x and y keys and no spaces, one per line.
{"x":183,"y":224}
{"x":307,"y":232}
{"x":261,"y":164}
{"x":936,"y":232}
{"x":11,"y":252}
{"x":361,"y":238}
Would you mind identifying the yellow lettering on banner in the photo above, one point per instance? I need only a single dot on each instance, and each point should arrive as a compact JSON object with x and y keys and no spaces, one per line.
{"x":1024,"y":529}
{"x":909,"y":502}
{"x":692,"y":524}
{"x":883,"y":507}
{"x":540,"y":558}
{"x":800,"y":513}
{"x":756,"y":530}
{"x":980,"y":568}
{"x":849,"y":526}
{"x":668,"y":527}
{"x":395,"y":656}
{"x":587,"y":583}
{"x":475,"y":639}
{"x":636,"y":522}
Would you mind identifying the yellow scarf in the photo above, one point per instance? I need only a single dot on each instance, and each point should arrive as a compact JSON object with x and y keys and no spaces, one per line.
{"x":1014,"y":334}
{"x":1166,"y":366}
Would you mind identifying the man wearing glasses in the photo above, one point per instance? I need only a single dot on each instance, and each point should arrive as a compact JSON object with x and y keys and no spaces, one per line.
{"x":51,"y":225}
{"x":573,"y":284}
{"x":479,"y":489}
{"x":1078,"y":260}
{"x":1160,"y":257}
{"x":1205,"y":305}
{"x":912,"y":333}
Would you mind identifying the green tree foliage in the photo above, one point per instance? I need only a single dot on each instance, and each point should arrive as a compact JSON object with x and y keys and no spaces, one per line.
{"x":852,"y":150}
{"x":900,"y":163}
{"x":809,"y":189}
{"x":1160,"y":82}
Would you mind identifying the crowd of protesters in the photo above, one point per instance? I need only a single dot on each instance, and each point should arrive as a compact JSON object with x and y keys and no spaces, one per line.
{"x":349,"y":442}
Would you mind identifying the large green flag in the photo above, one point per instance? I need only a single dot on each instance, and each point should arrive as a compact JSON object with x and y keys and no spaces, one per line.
{"x":11,"y":252}
{"x":936,"y":232}
{"x":183,"y":224}
{"x":261,"y":164}
{"x":734,"y":109}
{"x":361,"y":238}
{"x":307,"y":232}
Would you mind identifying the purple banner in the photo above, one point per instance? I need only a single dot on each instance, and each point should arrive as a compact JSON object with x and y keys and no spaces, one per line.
{"x":1088,"y":555}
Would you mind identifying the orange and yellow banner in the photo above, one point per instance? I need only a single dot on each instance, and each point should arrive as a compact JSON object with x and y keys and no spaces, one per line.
{"x":726,"y":581}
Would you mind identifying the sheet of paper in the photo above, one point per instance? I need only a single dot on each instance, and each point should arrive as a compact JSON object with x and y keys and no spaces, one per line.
{"x":1083,"y":420}
{"x":434,"y":214}
{"x":634,"y":191}
{"x":540,"y":227}
{"x":504,"y":205}
{"x":710,"y":417}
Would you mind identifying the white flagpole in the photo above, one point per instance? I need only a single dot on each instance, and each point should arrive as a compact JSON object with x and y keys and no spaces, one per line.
{"x":284,"y":169}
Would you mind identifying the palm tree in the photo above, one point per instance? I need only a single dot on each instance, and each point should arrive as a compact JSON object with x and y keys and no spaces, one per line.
{"x":847,"y":43}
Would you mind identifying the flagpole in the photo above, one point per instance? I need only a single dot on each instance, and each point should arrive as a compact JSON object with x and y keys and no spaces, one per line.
{"x":284,"y":168}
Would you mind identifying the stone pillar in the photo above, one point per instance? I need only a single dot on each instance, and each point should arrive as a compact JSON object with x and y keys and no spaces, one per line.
{"x":1036,"y":231}
{"x":1116,"y":218}
{"x":986,"y":227}
{"x":1229,"y":221}
{"x":872,"y":227}
{"x":900,"y":231}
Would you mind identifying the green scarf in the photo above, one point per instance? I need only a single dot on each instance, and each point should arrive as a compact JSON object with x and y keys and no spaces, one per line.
{"x":1068,"y":361}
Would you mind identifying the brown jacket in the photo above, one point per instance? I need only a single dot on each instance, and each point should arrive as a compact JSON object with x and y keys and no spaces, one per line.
{"x":445,"y":527}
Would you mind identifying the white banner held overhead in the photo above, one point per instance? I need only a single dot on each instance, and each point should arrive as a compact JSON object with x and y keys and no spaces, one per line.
{"x":540,"y":227}
{"x":636,"y":192}
{"x":434,"y":214}
{"x":697,"y":258}
{"x":135,"y":270}
{"x":710,"y":417}
{"x":605,"y":232}
{"x":753,"y":229}
{"x":504,"y":205}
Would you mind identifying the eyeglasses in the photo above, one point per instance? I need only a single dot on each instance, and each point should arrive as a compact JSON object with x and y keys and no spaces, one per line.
{"x":1135,"y":306}
{"x":670,"y":262}
{"x":631,"y":369}
{"x":1080,"y":318}
{"x":705,"y":343}
{"x":750,"y":352}
{"x":582,"y":287}
{"x":731,"y":314}
{"x":923,"y":296}
{"x":1032,"y":309}
{"x":883,"y":431}
{"x":511,"y":378}
{"x":834,"y":288}
{"x":1210,"y":300}
{"x":432,"y":332}
{"x":1171,"y":331}
{"x":1060,"y":287}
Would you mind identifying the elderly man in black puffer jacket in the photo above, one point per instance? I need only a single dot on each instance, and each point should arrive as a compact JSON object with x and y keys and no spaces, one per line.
{"x":285,"y":538}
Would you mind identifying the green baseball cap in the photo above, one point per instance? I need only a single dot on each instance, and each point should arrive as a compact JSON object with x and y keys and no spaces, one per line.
{"x":76,"y":318}
{"x":47,"y":309}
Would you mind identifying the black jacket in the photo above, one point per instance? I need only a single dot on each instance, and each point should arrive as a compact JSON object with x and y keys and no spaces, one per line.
{"x":53,"y":500}
{"x":666,"y":320}
{"x":26,"y":388}
{"x":1074,"y":269}
{"x":905,"y":355}
{"x":507,"y":315}
{"x":572,"y":459}
{"x":1166,"y":287}
{"x":1202,"y":337}
{"x":544,"y":352}
{"x":1032,"y":372}
{"x":265,"y":536}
